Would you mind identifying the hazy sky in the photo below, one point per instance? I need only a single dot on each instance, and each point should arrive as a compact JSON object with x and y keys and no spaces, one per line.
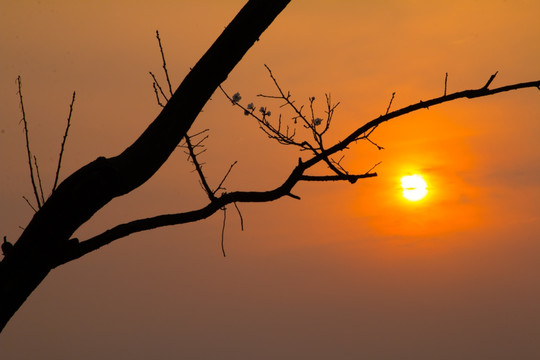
{"x":348,"y":272}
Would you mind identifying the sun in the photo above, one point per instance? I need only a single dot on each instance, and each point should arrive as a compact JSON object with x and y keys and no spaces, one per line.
{"x":414,"y":187}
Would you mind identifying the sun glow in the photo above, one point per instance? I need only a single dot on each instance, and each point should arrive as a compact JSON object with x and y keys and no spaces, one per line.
{"x":414,"y":187}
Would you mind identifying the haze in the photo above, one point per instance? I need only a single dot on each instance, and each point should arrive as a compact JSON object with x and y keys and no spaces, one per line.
{"x":348,"y":272}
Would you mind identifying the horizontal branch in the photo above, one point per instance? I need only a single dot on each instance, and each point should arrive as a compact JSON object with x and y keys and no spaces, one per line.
{"x":296,"y":175}
{"x":470,"y":94}
{"x":213,"y":206}
{"x":345,"y":177}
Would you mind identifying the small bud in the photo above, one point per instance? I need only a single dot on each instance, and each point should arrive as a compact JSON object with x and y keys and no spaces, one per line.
{"x":236,"y":98}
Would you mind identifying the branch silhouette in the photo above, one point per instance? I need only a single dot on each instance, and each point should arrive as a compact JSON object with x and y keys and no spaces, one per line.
{"x":47,"y":237}
{"x":46,"y":241}
{"x":285,"y":189}
{"x":28,"y":152}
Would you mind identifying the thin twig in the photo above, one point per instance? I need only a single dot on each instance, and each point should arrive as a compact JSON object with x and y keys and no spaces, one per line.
{"x":373,"y":143}
{"x":39,"y":181}
{"x":373,"y":167}
{"x":157,"y":87}
{"x":390,"y":103}
{"x":32,"y":178}
{"x":287,"y":98}
{"x":29,"y":204}
{"x":223,"y":231}
{"x":63,"y":143}
{"x":198,"y":168}
{"x":492,"y":77}
{"x":268,"y":128}
{"x":330,"y":113}
{"x":164,"y":63}
{"x":445,"y":82}
{"x":224,"y":178}
{"x":187,"y":138}
{"x":199,"y":133}
{"x":239,"y":214}
{"x":199,"y":144}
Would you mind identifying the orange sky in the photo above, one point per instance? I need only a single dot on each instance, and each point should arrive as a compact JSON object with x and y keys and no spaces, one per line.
{"x":351,"y":271}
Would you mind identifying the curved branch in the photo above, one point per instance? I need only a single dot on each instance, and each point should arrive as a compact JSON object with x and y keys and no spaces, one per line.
{"x":469,"y":94}
{"x":213,"y":206}
{"x":296,"y":175}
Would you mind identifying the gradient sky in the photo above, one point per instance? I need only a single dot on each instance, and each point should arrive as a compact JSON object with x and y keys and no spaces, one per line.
{"x":348,"y":272}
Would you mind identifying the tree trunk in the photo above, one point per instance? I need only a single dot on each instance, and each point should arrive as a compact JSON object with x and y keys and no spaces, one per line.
{"x":45,"y":241}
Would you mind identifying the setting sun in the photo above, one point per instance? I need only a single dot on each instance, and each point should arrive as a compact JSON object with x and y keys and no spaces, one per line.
{"x":414,"y":187}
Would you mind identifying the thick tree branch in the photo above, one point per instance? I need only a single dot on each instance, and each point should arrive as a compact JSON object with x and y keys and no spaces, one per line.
{"x":86,"y":191}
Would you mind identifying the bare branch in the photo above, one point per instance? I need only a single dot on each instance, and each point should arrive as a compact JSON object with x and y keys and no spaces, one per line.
{"x":198,"y":168}
{"x":241,"y":217}
{"x":296,"y":197}
{"x":224,"y":178}
{"x":374,"y":166}
{"x":192,"y":155}
{"x":329,"y":113}
{"x":469,"y":94}
{"x":284,"y":189}
{"x":123,"y":230}
{"x":156,"y":86}
{"x":223,"y":231}
{"x":287,"y":99}
{"x":63,"y":143}
{"x":490,"y":80}
{"x":164,"y":63}
{"x":392,"y":99}
{"x":200,"y":133}
{"x":88,"y":189}
{"x":270,"y":130}
{"x":29,"y":204}
{"x":39,"y":181}
{"x":445,"y":83}
{"x":350,"y":178}
{"x":372,"y":142}
{"x":338,"y":164}
{"x":32,"y":178}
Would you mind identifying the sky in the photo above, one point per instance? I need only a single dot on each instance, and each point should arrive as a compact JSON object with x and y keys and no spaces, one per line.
{"x":347,"y":272}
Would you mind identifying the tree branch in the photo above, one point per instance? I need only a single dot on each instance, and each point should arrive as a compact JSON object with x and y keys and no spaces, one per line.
{"x":28,"y":152}
{"x":296,"y":175}
{"x":87,"y":190}
{"x":39,"y":180}
{"x":198,"y":168}
{"x":63,"y":143}
{"x":469,"y":94}
{"x":164,"y":63}
{"x":344,"y":177}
